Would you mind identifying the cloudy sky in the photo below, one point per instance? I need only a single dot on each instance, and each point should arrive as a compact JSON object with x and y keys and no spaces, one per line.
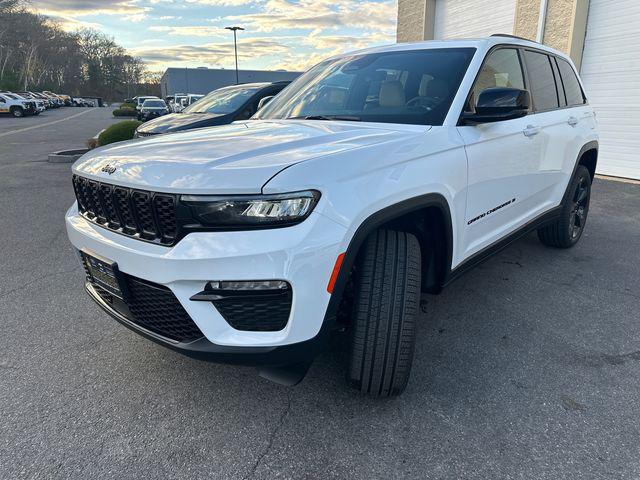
{"x":289,"y":34}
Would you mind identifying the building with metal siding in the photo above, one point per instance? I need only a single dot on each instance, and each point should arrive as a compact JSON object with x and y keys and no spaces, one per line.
{"x":204,"y":80}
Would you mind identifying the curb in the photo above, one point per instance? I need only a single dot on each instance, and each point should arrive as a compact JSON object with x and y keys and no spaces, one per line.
{"x":66,"y":156}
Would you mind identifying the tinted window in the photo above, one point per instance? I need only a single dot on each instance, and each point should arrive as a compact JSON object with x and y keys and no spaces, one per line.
{"x":412,"y":87}
{"x":223,"y":100}
{"x":543,"y":85}
{"x":501,"y":69}
{"x":154,"y":104}
{"x":571,"y":85}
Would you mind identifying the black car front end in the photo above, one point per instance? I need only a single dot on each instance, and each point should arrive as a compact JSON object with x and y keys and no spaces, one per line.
{"x":151,"y":113}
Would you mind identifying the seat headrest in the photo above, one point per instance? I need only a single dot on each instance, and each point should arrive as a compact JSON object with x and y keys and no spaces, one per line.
{"x":392,"y":94}
{"x":437,"y":88}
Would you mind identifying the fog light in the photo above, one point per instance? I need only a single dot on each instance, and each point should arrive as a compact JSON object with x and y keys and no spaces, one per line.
{"x":250,"y":285}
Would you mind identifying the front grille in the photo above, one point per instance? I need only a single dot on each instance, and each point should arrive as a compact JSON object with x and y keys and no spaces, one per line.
{"x":136,"y":213}
{"x":155,"y":308}
{"x":265,"y":312}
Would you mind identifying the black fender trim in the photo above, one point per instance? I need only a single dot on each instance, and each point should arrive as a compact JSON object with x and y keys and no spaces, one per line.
{"x":372,"y":223}
{"x":593,"y":145}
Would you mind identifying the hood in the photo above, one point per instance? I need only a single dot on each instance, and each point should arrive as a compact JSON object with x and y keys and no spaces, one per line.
{"x":235,"y":158}
{"x":182,"y":121}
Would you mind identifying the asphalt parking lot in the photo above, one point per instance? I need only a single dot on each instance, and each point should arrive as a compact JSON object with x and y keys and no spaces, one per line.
{"x":526,"y":368}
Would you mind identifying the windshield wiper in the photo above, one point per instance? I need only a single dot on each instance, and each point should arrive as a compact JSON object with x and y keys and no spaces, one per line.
{"x":348,"y":118}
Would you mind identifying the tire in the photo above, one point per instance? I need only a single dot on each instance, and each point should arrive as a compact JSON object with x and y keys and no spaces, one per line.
{"x":567,"y":229}
{"x":17,"y":112}
{"x":385,"y":307}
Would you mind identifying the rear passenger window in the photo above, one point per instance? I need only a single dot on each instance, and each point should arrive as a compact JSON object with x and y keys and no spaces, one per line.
{"x":501,"y":69}
{"x":543,"y":85}
{"x":571,"y":85}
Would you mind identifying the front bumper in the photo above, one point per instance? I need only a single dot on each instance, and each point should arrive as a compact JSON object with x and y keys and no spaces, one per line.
{"x":302,"y":255}
{"x":203,"y":349}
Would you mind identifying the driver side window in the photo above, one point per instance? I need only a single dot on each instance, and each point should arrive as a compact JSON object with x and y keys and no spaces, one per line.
{"x":502,"y":68}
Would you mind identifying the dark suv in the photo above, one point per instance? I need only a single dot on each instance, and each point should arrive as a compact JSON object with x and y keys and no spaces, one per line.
{"x":220,"y":107}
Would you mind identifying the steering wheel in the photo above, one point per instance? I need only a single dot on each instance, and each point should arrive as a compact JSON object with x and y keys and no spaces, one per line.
{"x":422,"y":102}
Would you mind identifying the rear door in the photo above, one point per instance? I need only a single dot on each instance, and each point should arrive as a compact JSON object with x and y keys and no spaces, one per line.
{"x":503,"y":159}
{"x":559,"y":132}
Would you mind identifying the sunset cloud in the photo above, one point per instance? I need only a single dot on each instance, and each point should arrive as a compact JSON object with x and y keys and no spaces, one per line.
{"x":290,"y":34}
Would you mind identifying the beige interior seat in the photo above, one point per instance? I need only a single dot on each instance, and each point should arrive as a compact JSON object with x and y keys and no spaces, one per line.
{"x":392,"y":94}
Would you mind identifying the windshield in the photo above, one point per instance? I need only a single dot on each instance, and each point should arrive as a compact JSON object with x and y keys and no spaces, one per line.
{"x":12,"y":96}
{"x":223,"y":100}
{"x":412,"y":87}
{"x":154,"y":104}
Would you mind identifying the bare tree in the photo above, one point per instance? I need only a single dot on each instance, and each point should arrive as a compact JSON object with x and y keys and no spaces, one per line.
{"x":36,"y":53}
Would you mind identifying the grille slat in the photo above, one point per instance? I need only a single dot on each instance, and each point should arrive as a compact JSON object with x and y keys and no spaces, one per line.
{"x":105,"y":193}
{"x":121,"y":197}
{"x":165,"y":208}
{"x":141,"y":202}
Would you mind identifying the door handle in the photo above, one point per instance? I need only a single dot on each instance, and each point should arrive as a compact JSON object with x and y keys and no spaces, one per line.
{"x":531,"y":131}
{"x":573,"y":121}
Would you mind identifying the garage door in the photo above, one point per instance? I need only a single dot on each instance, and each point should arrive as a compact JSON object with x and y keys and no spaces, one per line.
{"x":473,"y":18}
{"x":611,"y":74}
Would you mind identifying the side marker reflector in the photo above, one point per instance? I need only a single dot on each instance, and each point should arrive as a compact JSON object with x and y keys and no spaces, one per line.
{"x":335,"y":272}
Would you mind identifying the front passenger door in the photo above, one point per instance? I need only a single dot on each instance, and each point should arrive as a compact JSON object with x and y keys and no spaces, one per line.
{"x":503,"y":159}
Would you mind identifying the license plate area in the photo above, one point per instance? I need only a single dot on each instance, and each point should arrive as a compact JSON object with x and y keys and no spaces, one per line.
{"x":103,"y":273}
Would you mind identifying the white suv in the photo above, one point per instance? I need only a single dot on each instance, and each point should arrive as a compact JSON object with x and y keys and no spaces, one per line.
{"x":16,"y":105}
{"x":373,"y":177}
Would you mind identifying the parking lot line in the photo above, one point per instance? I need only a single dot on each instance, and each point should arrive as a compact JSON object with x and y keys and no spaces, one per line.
{"x":20,"y":130}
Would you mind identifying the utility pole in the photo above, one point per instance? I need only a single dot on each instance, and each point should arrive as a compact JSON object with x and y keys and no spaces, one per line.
{"x":235,"y":47}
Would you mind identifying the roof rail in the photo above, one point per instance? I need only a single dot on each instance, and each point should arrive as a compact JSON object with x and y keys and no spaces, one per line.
{"x":512,"y":36}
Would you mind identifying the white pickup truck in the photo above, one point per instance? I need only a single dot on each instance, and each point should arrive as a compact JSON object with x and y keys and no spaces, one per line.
{"x":17,"y":106}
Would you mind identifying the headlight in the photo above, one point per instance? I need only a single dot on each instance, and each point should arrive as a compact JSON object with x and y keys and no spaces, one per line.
{"x":252,"y":211}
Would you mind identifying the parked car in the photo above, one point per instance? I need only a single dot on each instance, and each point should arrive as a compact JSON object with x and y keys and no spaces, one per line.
{"x":191,"y":99}
{"x":57,"y":98}
{"x":177,"y":106}
{"x":373,"y":177}
{"x":66,"y":99}
{"x":152,"y":108}
{"x":222,"y":106}
{"x":140,"y":100}
{"x":16,"y":105}
{"x":82,"y":102}
{"x":41,"y":104}
{"x":48,"y":102}
{"x":55,"y":101}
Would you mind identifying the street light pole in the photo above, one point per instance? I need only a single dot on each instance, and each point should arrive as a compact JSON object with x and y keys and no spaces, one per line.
{"x":235,"y":47}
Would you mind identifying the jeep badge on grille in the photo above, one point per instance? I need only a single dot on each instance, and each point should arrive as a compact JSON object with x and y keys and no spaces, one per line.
{"x":108,"y":169}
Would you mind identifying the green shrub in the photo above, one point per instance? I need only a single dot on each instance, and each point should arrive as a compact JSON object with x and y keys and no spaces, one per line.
{"x":125,"y":112}
{"x":132,"y":106}
{"x":118,"y":132}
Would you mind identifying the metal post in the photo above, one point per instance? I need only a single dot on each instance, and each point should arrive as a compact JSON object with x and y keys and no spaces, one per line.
{"x":235,"y":48}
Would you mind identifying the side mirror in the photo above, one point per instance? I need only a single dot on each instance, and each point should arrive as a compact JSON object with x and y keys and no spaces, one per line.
{"x":499,"y":103}
{"x":264,"y":100}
